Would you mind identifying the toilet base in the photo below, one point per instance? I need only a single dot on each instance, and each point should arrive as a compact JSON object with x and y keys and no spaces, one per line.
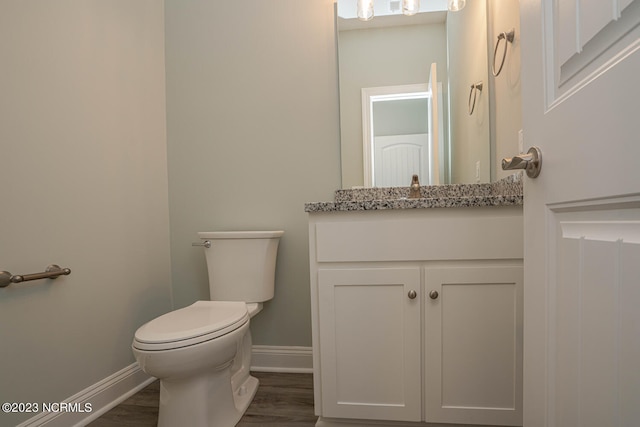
{"x":245,"y":394}
{"x":214,"y":397}
{"x":191,"y":401}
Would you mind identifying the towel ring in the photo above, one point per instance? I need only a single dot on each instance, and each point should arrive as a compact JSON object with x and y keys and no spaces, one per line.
{"x":508,"y":37}
{"x":473,"y":94}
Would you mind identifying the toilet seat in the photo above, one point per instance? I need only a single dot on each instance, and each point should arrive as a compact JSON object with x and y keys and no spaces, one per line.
{"x":202,"y":321}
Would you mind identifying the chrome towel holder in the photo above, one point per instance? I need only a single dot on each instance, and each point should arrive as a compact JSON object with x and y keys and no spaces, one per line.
{"x":473,"y":95}
{"x":51,"y":272}
{"x":508,"y":37}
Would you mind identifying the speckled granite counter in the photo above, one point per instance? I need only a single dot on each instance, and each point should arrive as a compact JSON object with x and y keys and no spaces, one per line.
{"x":506,"y":192}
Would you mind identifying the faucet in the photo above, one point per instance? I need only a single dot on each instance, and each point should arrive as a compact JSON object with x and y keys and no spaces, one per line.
{"x":414,"y":189}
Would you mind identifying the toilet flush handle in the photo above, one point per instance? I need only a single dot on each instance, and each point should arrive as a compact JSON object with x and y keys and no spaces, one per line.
{"x":206,"y":244}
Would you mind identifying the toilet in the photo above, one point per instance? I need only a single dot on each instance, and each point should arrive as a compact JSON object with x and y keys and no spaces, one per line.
{"x":202,"y":353}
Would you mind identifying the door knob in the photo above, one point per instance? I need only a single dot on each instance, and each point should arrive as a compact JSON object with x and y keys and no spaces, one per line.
{"x":530,"y":162}
{"x":412,"y":294}
{"x":433,"y":294}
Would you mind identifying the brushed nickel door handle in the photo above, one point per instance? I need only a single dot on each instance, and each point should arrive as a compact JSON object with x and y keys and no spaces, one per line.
{"x":530,"y":162}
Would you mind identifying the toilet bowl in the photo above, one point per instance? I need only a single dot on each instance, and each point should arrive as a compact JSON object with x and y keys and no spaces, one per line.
{"x":202,"y":353}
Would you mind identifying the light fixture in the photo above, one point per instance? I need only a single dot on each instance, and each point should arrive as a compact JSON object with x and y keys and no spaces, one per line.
{"x":365,"y":10}
{"x":410,"y":7}
{"x":456,"y":5}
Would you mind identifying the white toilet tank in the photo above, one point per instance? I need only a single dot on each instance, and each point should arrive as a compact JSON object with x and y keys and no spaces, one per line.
{"x":241,"y":264}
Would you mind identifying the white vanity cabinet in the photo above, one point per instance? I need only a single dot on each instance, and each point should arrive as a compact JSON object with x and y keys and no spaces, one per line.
{"x":417,"y":316}
{"x":370,"y":339}
{"x":473,"y":344}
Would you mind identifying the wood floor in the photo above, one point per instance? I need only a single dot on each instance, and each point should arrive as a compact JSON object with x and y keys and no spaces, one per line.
{"x":284,"y":400}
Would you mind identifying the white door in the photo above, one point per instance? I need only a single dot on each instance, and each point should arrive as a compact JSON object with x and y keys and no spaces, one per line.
{"x":581,"y":97}
{"x":398,"y":157}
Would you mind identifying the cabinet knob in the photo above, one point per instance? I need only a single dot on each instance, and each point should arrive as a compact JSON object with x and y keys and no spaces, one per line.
{"x":433,"y":294}
{"x":412,"y":294}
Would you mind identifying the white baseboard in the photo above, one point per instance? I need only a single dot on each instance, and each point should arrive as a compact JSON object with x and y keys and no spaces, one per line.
{"x":94,"y":400}
{"x":108,"y":393}
{"x":268,"y":358}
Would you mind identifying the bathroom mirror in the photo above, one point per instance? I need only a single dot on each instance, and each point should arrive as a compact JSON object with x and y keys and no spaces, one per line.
{"x":393,"y":50}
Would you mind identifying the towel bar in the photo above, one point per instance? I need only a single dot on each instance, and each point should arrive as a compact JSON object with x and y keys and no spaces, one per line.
{"x":52,"y":271}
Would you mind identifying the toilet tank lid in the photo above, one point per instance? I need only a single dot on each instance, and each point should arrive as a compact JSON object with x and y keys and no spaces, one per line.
{"x":240,"y":234}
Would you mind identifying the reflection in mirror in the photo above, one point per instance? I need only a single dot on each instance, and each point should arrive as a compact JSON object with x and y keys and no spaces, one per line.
{"x":469,"y":106}
{"x":401,"y":126}
{"x":399,"y":50}
{"x":396,"y":134}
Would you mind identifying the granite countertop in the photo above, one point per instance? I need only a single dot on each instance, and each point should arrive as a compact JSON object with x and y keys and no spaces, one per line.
{"x":505,"y":192}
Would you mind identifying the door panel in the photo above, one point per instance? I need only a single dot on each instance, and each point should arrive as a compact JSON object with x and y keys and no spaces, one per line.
{"x":580,"y":63}
{"x":593,"y":326}
{"x":398,"y":157}
{"x":583,"y":41}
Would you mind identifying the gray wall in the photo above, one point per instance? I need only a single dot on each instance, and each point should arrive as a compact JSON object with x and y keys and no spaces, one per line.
{"x":506,"y":101}
{"x":249,"y":132}
{"x":400,"y":117}
{"x":498,"y":115}
{"x":252,"y":129}
{"x":470,"y":134}
{"x":83,"y":184}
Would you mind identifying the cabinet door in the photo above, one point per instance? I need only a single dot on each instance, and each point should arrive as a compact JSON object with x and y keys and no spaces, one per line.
{"x":370,"y":343}
{"x":473,"y":345}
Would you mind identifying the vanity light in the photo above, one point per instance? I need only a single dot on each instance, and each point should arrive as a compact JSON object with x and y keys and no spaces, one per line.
{"x":365,"y":10}
{"x":410,"y":7}
{"x":456,"y":5}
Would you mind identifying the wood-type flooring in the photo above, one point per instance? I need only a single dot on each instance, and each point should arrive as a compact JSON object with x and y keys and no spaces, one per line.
{"x":283,"y":399}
